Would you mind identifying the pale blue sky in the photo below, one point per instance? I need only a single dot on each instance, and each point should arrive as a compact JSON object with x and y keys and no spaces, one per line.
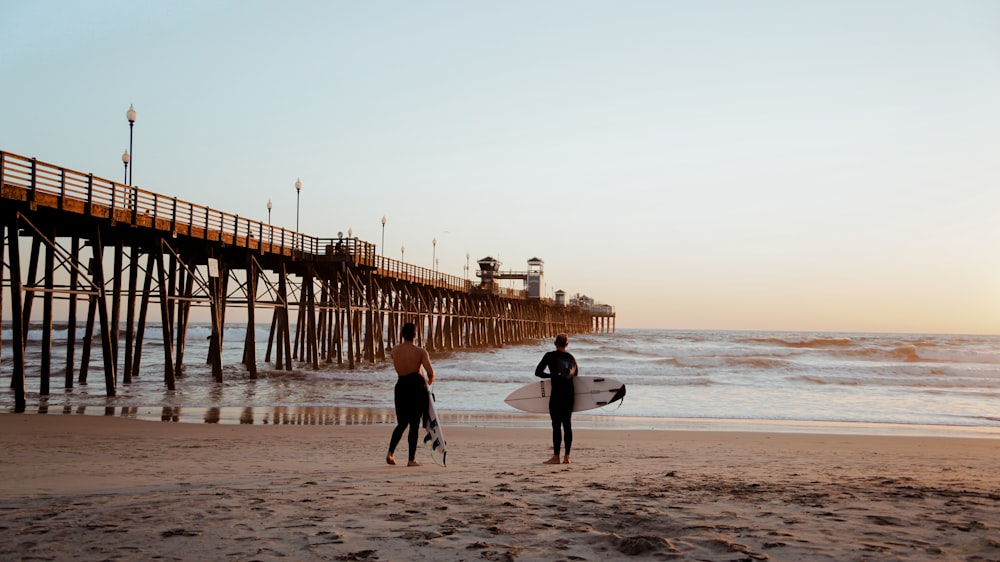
{"x":760,"y":165}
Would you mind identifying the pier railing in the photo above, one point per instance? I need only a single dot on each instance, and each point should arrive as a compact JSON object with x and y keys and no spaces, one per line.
{"x":42,"y":184}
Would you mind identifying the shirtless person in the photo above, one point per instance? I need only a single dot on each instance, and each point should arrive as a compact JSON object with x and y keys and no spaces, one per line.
{"x":410,"y":393}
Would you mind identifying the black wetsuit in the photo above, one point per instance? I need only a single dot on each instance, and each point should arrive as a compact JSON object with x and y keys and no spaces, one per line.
{"x":411,"y":405}
{"x":562,"y":368}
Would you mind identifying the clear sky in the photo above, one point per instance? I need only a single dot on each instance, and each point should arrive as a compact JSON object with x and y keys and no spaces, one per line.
{"x":781,"y":165}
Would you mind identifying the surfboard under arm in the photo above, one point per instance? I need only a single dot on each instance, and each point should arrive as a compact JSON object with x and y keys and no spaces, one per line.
{"x":589,"y":393}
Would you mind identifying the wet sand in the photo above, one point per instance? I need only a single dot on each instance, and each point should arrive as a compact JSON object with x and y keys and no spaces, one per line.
{"x":78,"y":487}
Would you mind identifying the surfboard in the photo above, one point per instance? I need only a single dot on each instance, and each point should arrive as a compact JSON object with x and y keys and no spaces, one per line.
{"x":435,"y":435}
{"x":589,"y":393}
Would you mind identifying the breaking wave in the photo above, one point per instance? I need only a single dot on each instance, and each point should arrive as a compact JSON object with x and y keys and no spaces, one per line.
{"x":805,"y":341}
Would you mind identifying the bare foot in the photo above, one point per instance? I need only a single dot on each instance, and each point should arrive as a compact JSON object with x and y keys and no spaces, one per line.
{"x":566,"y":460}
{"x":553,"y":460}
{"x":413,"y":463}
{"x":389,"y":459}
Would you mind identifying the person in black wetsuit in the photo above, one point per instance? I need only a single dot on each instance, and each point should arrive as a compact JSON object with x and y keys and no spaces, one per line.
{"x":562,"y":368}
{"x":411,"y":392}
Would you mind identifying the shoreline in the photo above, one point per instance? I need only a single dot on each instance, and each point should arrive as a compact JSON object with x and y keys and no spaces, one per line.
{"x":350,"y":416}
{"x":99,"y":488}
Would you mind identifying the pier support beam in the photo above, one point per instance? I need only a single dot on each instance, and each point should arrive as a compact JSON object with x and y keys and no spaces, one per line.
{"x":17,"y":382}
{"x":102,"y":313}
{"x":216,"y":273}
{"x":169,"y":378}
{"x":250,"y":342}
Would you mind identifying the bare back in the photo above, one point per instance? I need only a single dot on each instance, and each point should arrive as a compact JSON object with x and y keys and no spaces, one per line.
{"x":408,"y":358}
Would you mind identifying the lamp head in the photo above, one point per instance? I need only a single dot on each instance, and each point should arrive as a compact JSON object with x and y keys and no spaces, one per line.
{"x":268,"y":204}
{"x":298,"y":184}
{"x":130,"y":114}
{"x":126,"y":158}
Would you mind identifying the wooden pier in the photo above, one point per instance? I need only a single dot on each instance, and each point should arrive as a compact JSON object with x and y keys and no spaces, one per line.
{"x":112,"y":250}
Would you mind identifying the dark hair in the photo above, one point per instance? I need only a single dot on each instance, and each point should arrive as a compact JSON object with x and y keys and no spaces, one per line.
{"x":409,"y":331}
{"x":562,"y":340}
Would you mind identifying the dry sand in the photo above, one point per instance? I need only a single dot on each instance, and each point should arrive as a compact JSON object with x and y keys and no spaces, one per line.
{"x":92,"y":488}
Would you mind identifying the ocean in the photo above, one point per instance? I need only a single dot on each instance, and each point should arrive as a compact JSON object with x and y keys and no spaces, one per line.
{"x":785,"y":381}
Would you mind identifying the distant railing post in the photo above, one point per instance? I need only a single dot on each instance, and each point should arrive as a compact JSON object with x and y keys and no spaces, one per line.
{"x":62,"y":187}
{"x":114,"y":199}
{"x":89,"y":205}
{"x":31,"y":194}
{"x":135,"y":205}
{"x":207,"y":211}
{"x":173,"y":217}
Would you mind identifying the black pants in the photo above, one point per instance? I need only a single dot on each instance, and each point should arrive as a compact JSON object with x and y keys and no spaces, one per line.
{"x":561,"y":413}
{"x":411,"y":405}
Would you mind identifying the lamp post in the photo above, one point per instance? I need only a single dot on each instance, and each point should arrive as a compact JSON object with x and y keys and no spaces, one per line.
{"x":402,"y":252}
{"x":270,"y":231}
{"x":125,"y":160}
{"x":434,"y":254}
{"x":298,"y":192}
{"x":130,"y":115}
{"x":466,"y":266}
{"x":382,"y":247}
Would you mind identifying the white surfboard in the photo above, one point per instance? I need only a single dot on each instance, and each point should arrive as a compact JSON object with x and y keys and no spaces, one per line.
{"x":435,"y":435}
{"x":589,"y":393}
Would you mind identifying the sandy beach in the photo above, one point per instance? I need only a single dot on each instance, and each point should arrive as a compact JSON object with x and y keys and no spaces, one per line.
{"x":78,"y":487}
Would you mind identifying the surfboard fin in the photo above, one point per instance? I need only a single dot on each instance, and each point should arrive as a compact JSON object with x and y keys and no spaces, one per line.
{"x":619,"y":394}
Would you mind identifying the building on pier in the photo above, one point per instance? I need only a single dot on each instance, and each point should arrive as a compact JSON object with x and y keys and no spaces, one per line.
{"x":489,"y":273}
